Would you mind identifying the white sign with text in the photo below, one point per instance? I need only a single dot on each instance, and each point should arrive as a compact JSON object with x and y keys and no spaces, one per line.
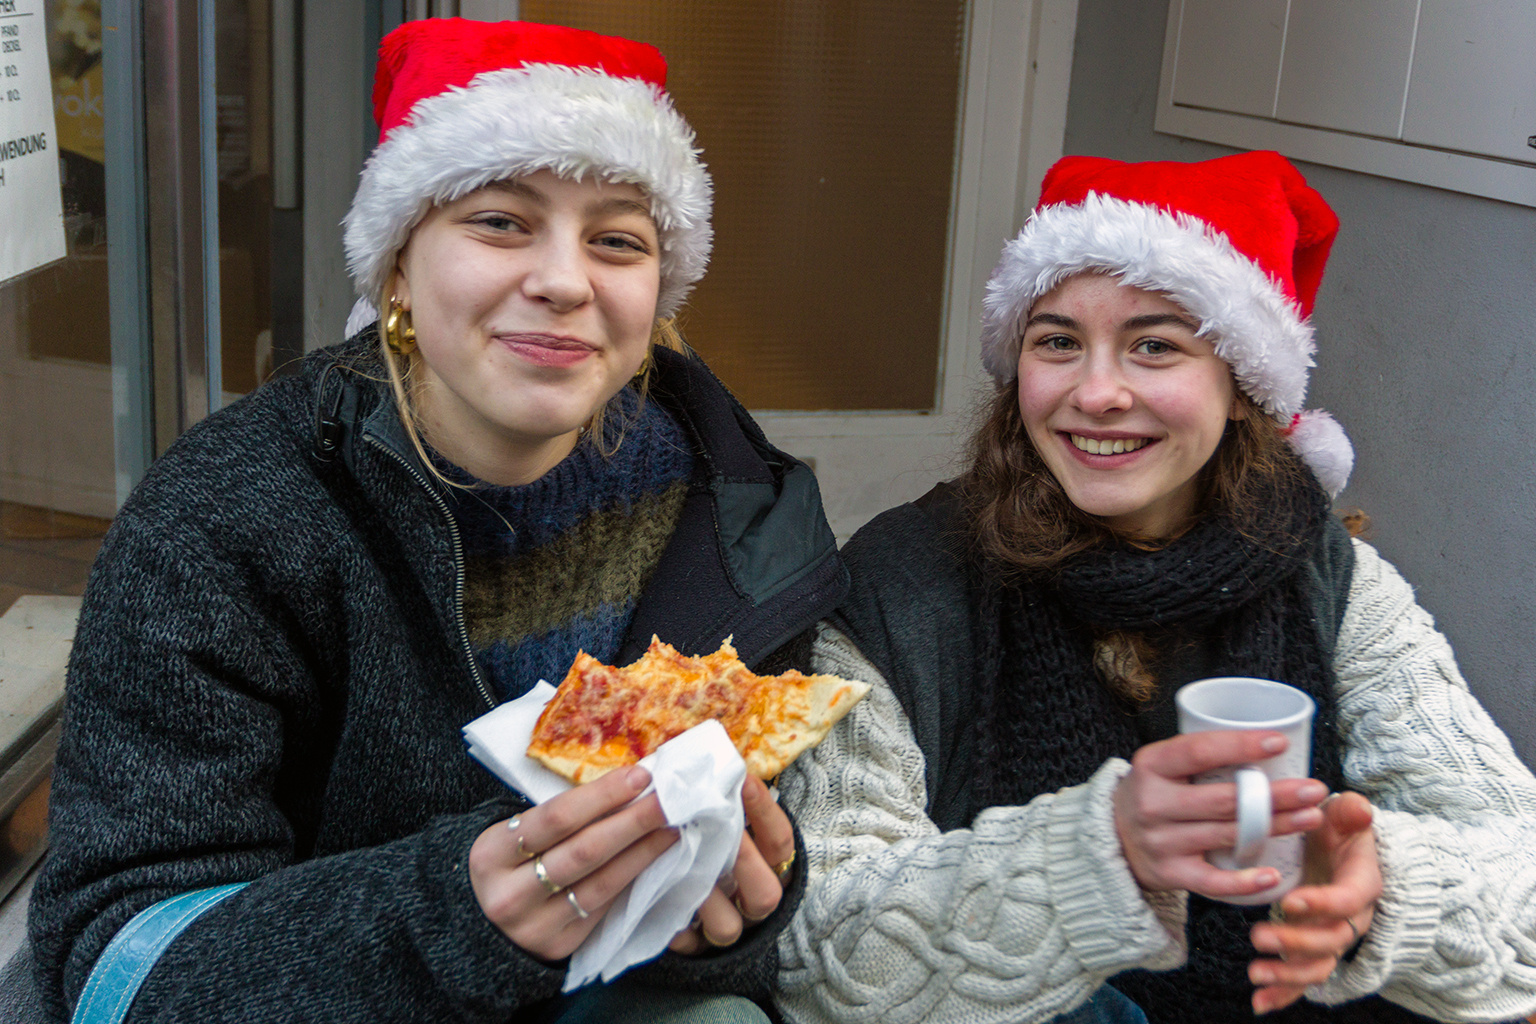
{"x":31,"y":207}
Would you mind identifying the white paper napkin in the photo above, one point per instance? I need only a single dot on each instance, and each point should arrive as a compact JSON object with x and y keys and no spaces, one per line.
{"x":499,"y":740}
{"x":697,"y":777}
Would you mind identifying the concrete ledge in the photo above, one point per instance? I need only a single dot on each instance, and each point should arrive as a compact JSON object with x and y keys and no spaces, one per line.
{"x":35,"y":636}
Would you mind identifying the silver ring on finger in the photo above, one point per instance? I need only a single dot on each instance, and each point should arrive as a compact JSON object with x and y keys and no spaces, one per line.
{"x":542,"y":875}
{"x":581,"y":912}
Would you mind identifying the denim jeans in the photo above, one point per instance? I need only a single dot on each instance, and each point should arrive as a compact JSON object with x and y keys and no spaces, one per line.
{"x":621,"y":1003}
{"x":1107,"y":1006}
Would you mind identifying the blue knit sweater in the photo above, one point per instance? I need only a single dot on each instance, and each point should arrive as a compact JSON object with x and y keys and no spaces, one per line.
{"x":557,"y":565}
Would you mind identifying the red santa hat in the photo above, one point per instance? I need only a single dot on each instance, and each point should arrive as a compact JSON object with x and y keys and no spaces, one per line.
{"x":1239,"y":242}
{"x":462,"y":103}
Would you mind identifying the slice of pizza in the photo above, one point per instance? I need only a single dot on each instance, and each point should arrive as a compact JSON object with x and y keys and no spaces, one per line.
{"x":602,"y":717}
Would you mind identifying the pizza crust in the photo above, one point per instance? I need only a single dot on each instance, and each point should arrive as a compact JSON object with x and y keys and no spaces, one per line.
{"x":602,"y":717}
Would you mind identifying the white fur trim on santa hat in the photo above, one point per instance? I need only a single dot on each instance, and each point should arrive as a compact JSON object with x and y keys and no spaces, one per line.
{"x":1324,"y":447}
{"x":576,"y":122}
{"x":1256,"y":328}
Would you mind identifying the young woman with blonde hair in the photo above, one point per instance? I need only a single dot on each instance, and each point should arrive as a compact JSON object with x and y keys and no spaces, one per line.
{"x":314,"y":590}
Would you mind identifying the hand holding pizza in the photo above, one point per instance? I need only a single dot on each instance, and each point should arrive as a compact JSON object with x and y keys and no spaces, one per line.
{"x":547,"y":876}
{"x":547,"y":880}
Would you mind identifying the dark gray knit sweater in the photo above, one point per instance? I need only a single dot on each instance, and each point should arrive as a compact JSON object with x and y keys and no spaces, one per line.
{"x":268,"y":684}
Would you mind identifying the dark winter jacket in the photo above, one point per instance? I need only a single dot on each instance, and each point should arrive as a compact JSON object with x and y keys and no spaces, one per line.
{"x":268,"y":684}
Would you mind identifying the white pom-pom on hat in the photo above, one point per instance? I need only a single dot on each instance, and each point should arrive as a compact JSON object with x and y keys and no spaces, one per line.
{"x":1324,"y":447}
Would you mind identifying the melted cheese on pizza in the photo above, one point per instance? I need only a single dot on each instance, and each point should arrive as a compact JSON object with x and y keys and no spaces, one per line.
{"x":603,"y":717}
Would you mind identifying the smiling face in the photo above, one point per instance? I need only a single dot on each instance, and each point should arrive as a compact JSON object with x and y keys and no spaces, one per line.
{"x":1123,"y":401}
{"x":533,"y":302}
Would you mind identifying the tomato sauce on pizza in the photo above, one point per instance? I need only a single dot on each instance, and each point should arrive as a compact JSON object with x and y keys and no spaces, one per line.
{"x":603,"y":717}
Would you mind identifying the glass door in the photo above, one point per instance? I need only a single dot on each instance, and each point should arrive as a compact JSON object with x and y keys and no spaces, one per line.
{"x":57,"y":465}
{"x":58,"y":472}
{"x":243,"y":154}
{"x":830,"y":128}
{"x":136,"y":296}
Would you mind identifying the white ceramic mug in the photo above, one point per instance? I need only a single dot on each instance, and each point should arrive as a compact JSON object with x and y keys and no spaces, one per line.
{"x":1241,"y":702}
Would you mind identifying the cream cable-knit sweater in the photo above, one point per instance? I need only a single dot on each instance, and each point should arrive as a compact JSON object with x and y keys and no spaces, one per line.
{"x":1024,"y":915}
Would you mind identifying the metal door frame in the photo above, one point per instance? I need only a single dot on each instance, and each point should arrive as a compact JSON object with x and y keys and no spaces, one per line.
{"x":162,"y":242}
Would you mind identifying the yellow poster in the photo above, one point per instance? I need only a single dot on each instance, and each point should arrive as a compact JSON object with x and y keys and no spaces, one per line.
{"x":75,"y":52}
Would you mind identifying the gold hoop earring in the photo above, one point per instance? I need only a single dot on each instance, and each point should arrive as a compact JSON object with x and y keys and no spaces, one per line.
{"x":399,"y":332}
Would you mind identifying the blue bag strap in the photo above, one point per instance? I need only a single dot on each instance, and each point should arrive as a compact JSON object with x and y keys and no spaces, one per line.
{"x":129,"y":957}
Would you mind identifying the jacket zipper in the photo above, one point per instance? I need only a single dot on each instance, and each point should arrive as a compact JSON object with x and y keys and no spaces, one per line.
{"x":458,"y":565}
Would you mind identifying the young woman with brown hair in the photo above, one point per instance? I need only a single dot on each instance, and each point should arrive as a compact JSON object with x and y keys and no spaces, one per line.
{"x":1006,"y":829}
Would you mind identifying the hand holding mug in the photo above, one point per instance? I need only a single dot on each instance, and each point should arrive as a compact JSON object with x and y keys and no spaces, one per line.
{"x":1167,"y":825}
{"x":1259,"y":705}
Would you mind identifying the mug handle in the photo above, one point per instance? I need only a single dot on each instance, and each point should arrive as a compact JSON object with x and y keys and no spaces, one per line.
{"x":1253,"y":815}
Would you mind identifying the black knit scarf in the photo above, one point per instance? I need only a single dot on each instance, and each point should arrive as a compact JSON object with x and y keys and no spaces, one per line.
{"x":1052,"y":723}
